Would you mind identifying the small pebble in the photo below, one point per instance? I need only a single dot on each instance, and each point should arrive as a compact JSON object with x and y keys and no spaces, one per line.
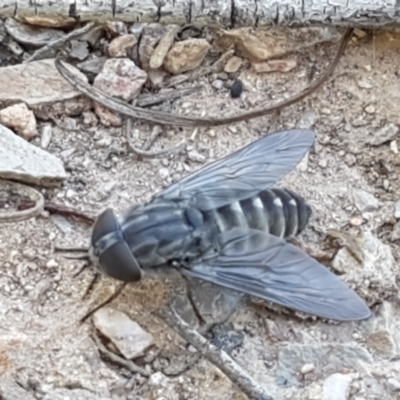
{"x":356,"y":221}
{"x":370,"y":109}
{"x":394,"y":384}
{"x":307,"y":368}
{"x":236,"y":89}
{"x":323,"y":163}
{"x":394,"y":147}
{"x":397,"y":210}
{"x":218,"y":84}
{"x":386,"y":184}
{"x":52,"y":263}
{"x":164,"y":173}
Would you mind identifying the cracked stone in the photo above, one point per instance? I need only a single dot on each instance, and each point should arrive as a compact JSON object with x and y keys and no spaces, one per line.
{"x":120,"y":78}
{"x":20,"y":118}
{"x":186,"y":55}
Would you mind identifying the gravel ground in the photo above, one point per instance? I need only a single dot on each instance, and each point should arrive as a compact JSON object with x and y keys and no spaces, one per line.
{"x":46,"y":353}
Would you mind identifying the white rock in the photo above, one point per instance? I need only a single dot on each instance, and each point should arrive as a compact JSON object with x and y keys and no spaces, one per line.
{"x":47,"y":133}
{"x":164,"y":173}
{"x":22,"y":161}
{"x":337,"y":387}
{"x":130,"y":339}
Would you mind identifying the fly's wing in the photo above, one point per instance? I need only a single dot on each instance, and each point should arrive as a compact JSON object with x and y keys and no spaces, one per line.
{"x":244,"y":173}
{"x":266,"y":266}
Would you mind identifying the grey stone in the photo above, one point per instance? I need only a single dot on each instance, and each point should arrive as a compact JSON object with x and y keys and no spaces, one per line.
{"x":73,"y":394}
{"x":218,"y":84}
{"x":10,"y":390}
{"x":79,"y":49}
{"x":127,"y":335}
{"x":327,"y":359}
{"x":36,"y":83}
{"x":395,"y":232}
{"x":46,"y":135}
{"x":24,"y":162}
{"x":215,"y":304}
{"x":93,"y":66}
{"x":308,"y":119}
{"x":181,"y":304}
{"x":364,"y":201}
{"x":388,"y":132}
{"x":379,"y":332}
{"x":337,"y":387}
{"x":31,"y":35}
{"x":393,"y":384}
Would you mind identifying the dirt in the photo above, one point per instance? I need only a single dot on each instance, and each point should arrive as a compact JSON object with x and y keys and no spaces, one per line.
{"x":44,"y":347}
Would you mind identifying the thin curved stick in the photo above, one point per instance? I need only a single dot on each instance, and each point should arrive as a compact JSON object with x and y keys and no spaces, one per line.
{"x":31,"y":212}
{"x":163,"y":118}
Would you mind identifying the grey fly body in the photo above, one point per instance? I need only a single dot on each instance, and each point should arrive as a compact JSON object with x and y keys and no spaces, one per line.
{"x":226,"y":224}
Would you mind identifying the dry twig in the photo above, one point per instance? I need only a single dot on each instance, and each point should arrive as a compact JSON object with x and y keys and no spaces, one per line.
{"x":116,"y":359}
{"x":151,"y":154}
{"x":56,"y":44}
{"x":105,"y":302}
{"x":163,"y":118}
{"x":152,"y":99}
{"x":215,"y":355}
{"x":54,"y":208}
{"x":32,"y":208}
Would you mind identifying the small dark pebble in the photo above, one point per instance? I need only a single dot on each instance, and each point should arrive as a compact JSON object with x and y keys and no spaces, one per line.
{"x":236,"y":89}
{"x":226,"y":338}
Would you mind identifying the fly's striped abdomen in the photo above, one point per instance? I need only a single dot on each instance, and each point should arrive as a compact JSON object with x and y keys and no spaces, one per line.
{"x":280,"y":212}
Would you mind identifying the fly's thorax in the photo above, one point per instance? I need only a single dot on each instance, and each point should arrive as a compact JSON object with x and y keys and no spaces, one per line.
{"x":161,"y":232}
{"x":280,"y":212}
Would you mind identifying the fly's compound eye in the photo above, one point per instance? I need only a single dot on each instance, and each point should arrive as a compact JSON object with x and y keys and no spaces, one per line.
{"x":105,"y":224}
{"x":114,"y":255}
{"x":118,"y":262}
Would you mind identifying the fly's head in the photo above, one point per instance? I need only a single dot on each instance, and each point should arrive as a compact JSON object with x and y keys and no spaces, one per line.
{"x":109,"y":251}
